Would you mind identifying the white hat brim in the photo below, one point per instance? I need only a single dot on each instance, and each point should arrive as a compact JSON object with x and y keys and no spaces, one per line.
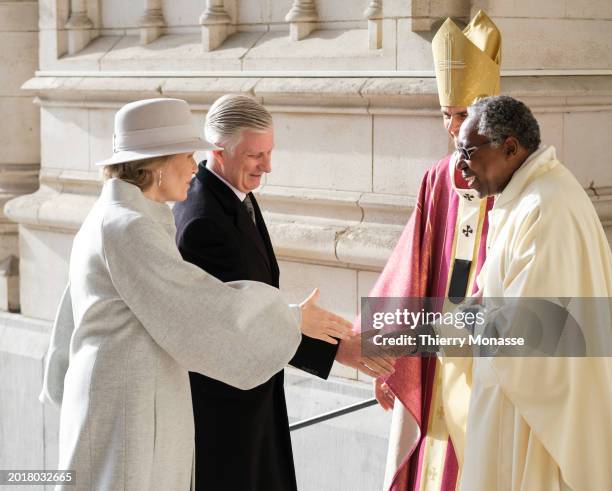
{"x":161,"y":151}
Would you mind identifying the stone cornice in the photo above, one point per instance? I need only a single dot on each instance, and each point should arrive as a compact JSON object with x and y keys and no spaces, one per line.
{"x":408,"y":95}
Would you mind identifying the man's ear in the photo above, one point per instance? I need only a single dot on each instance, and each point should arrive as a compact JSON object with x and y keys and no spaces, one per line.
{"x":218,"y":155}
{"x":511,"y":147}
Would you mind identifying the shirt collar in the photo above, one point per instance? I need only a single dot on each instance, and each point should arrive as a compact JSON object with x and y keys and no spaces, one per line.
{"x":236,"y":191}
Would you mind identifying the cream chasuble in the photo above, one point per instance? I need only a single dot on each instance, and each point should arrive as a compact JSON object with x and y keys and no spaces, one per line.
{"x":542,"y":423}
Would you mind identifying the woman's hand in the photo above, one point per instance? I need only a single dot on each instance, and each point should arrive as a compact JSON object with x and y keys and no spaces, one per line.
{"x":321,"y":324}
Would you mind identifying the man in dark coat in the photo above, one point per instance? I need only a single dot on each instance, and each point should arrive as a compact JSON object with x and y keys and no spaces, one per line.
{"x":242,"y":437}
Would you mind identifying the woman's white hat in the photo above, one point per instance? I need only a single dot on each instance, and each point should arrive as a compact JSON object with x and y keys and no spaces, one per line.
{"x":154,"y":128}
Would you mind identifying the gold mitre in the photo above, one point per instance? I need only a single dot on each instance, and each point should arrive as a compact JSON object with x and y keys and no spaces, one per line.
{"x":467,"y":62}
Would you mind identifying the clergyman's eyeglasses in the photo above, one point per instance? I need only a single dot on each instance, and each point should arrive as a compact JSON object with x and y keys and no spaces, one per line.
{"x":467,"y":152}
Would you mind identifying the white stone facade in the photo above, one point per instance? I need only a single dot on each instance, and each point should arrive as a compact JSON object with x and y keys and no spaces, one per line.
{"x":356,"y":117}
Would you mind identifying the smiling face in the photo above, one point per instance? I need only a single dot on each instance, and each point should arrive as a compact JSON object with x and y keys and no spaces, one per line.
{"x":250,"y":160}
{"x":489,"y":168}
{"x":453,"y":116}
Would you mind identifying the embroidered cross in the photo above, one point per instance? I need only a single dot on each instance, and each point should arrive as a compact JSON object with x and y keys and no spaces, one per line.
{"x":432,"y":474}
{"x":469,"y":197}
{"x":467,"y":231}
{"x":447,"y":64}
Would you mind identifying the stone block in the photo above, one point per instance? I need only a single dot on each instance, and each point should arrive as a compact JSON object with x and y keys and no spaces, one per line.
{"x":101,"y":125}
{"x":89,"y":57}
{"x":20,"y":135}
{"x":9,"y":284}
{"x":551,"y":131}
{"x":21,"y":371}
{"x":43,"y":269}
{"x":213,"y":36}
{"x":365,"y":283}
{"x":521,"y":8}
{"x":66,"y":138}
{"x":587,"y":152}
{"x":18,"y":60}
{"x":52,"y":45}
{"x":414,"y":49}
{"x":536,"y":44}
{"x":277,"y":10}
{"x":346,"y":49}
{"x":178,"y":52}
{"x":329,"y":151}
{"x":118,"y":14}
{"x":53,"y":14}
{"x":589,"y":9}
{"x":404,"y":148}
{"x":78,"y":39}
{"x":19,"y":16}
{"x":250,"y":12}
{"x":301,"y":30}
{"x":338,"y":286}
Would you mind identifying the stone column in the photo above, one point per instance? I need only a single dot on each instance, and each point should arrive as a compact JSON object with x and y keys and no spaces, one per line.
{"x":215,"y":23}
{"x":79,"y":26}
{"x":152,"y":22}
{"x":303,"y":19}
{"x":374,"y":15}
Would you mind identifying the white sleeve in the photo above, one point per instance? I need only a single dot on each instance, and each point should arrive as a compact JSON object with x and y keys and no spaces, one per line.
{"x":240,"y":333}
{"x":56,"y":360}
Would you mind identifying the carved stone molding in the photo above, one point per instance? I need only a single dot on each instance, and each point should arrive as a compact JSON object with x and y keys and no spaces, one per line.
{"x":79,"y":26}
{"x":152,"y":22}
{"x":302,"y":19}
{"x":216,"y":25}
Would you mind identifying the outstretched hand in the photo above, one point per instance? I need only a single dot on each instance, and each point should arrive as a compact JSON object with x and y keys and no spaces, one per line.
{"x":383,"y":394}
{"x":321,"y":324}
{"x":377,"y":365}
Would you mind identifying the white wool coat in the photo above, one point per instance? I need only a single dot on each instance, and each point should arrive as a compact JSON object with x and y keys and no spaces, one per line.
{"x":133,"y":320}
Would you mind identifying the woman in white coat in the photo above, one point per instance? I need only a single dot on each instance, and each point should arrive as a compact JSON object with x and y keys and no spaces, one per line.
{"x":135,"y":318}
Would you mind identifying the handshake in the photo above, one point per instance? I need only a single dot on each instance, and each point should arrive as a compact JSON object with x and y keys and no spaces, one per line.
{"x":324,"y":325}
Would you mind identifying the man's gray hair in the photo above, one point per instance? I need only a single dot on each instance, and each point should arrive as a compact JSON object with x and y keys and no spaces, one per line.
{"x":502,"y":116}
{"x":230,"y":115}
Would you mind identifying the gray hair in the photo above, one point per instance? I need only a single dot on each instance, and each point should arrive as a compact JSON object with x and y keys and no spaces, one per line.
{"x":502,"y":116}
{"x":230,"y":115}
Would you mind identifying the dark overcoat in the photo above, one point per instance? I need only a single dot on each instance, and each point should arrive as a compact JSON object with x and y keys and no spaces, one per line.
{"x":242,"y":436}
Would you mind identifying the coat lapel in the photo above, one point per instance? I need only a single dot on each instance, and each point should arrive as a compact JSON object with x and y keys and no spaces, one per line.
{"x":235,"y":207}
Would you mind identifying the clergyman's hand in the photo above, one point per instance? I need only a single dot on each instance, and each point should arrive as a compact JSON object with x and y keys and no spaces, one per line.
{"x":349,"y":354}
{"x":383,"y":393}
{"x":321,"y":324}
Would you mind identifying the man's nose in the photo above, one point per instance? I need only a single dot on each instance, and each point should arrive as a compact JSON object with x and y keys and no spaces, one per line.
{"x":455,"y":124}
{"x":266,"y":165}
{"x":461,"y":163}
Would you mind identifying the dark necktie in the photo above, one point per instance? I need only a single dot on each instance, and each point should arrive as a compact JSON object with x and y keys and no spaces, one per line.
{"x":249,"y":207}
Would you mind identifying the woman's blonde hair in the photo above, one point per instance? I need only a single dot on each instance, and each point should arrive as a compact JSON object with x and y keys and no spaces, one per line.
{"x":137,"y":172}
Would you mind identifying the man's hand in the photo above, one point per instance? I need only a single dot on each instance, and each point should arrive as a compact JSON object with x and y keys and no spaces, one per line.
{"x":384,"y":395}
{"x":349,"y":354}
{"x":321,"y":324}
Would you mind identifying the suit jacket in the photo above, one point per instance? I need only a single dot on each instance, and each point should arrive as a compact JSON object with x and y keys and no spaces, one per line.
{"x":133,"y":320}
{"x":242,"y":437}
